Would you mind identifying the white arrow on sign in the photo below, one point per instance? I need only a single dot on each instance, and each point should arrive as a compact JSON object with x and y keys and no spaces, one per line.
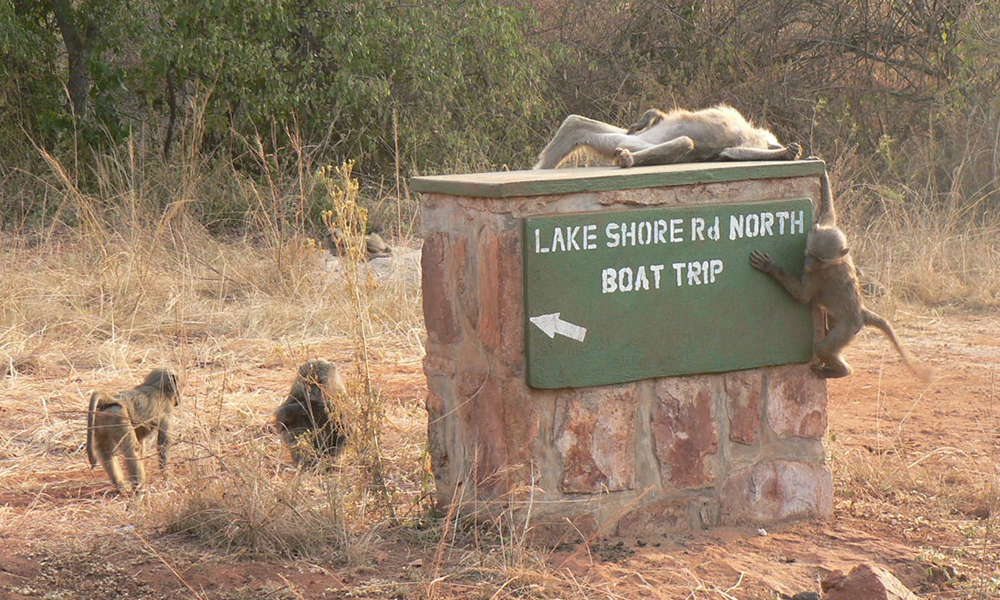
{"x":551,"y":324}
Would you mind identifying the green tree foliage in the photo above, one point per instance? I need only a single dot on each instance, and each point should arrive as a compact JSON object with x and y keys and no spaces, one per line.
{"x":29,"y":87}
{"x":398,"y":87}
{"x":440,"y":79}
{"x":55,"y":72}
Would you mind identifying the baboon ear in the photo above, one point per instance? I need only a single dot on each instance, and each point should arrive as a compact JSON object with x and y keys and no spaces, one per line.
{"x":845,"y":251}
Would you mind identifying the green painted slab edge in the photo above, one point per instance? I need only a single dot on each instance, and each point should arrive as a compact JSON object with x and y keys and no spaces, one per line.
{"x":510,"y":184}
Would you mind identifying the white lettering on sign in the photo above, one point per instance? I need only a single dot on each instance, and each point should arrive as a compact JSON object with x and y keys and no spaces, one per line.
{"x":699,"y":272}
{"x":639,"y":233}
{"x":701,"y":230}
{"x":630,"y":279}
{"x":567,"y":239}
{"x":630,"y":234}
{"x":766,"y":224}
{"x":648,"y":277}
{"x":676,"y":230}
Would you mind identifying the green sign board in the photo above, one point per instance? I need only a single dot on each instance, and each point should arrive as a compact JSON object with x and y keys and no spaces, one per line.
{"x":619,"y":296}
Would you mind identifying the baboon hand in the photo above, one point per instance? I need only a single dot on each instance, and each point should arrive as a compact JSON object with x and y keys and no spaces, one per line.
{"x":624,"y":158}
{"x":761,"y":261}
{"x":794,"y":151}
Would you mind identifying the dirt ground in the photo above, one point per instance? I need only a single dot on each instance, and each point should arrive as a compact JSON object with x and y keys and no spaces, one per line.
{"x":916,"y":491}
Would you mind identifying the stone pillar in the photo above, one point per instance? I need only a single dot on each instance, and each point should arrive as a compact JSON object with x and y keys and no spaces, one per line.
{"x":670,"y":453}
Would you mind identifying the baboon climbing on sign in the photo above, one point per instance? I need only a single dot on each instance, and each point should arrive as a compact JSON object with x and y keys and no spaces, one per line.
{"x":830,"y":280}
{"x":120,"y":423}
{"x":307,"y":421}
{"x":664,"y":138}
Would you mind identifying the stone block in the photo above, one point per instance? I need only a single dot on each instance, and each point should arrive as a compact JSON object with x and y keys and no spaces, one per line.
{"x":595,"y":438}
{"x":865,"y":582}
{"x":777,"y":491}
{"x":555,"y":529}
{"x":435,"y":365}
{"x":684,"y":428}
{"x":657,"y":517}
{"x":796,"y":402}
{"x":439,"y":310}
{"x":521,"y":427}
{"x":463,"y":267}
{"x":439,"y":436}
{"x":480,"y":410}
{"x":501,"y":310}
{"x":743,"y":395}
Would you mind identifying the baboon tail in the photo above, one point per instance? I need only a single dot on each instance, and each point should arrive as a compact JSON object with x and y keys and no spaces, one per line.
{"x":878,"y":322}
{"x":827,"y":215}
{"x":91,"y":456}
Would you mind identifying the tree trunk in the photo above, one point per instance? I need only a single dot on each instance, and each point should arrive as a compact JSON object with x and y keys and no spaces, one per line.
{"x":78,"y":52}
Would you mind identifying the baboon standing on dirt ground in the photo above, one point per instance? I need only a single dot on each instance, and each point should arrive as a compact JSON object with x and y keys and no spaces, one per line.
{"x":120,"y":424}
{"x":659,"y":138}
{"x":831,"y":281}
{"x":308,"y":421}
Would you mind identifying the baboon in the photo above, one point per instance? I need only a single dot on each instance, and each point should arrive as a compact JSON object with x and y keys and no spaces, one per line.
{"x":307,"y":420}
{"x":659,"y":138}
{"x":375,"y":246}
{"x":831,"y":281}
{"x":121,"y":423}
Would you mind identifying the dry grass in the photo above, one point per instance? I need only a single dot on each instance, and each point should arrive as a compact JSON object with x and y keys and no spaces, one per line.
{"x":934,"y":249}
{"x":100,"y":303}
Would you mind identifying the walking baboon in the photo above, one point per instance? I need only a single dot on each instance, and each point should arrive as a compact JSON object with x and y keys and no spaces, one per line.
{"x":659,"y":138}
{"x":307,"y":420}
{"x":120,"y":424}
{"x":830,"y":281}
{"x":375,"y":246}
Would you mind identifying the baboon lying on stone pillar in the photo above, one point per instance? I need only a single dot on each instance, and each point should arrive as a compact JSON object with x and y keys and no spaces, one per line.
{"x":659,"y":138}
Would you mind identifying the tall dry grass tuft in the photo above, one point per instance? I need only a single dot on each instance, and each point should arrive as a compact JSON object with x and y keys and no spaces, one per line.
{"x":244,"y":506}
{"x":351,"y":219}
{"x":925,"y":247}
{"x":236,"y":495}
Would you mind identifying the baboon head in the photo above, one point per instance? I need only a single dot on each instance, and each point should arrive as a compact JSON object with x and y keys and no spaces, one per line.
{"x":318,"y":380}
{"x":334,"y":241}
{"x":316,"y":371}
{"x":825,"y":246}
{"x":165,"y":382}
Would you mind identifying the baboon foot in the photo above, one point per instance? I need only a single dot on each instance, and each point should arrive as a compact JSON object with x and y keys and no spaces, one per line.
{"x":794,"y":151}
{"x":624,"y":158}
{"x":825,"y":372}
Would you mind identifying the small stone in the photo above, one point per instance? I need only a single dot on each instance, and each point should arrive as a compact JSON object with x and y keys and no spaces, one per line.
{"x":833,"y":581}
{"x":866,"y":582}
